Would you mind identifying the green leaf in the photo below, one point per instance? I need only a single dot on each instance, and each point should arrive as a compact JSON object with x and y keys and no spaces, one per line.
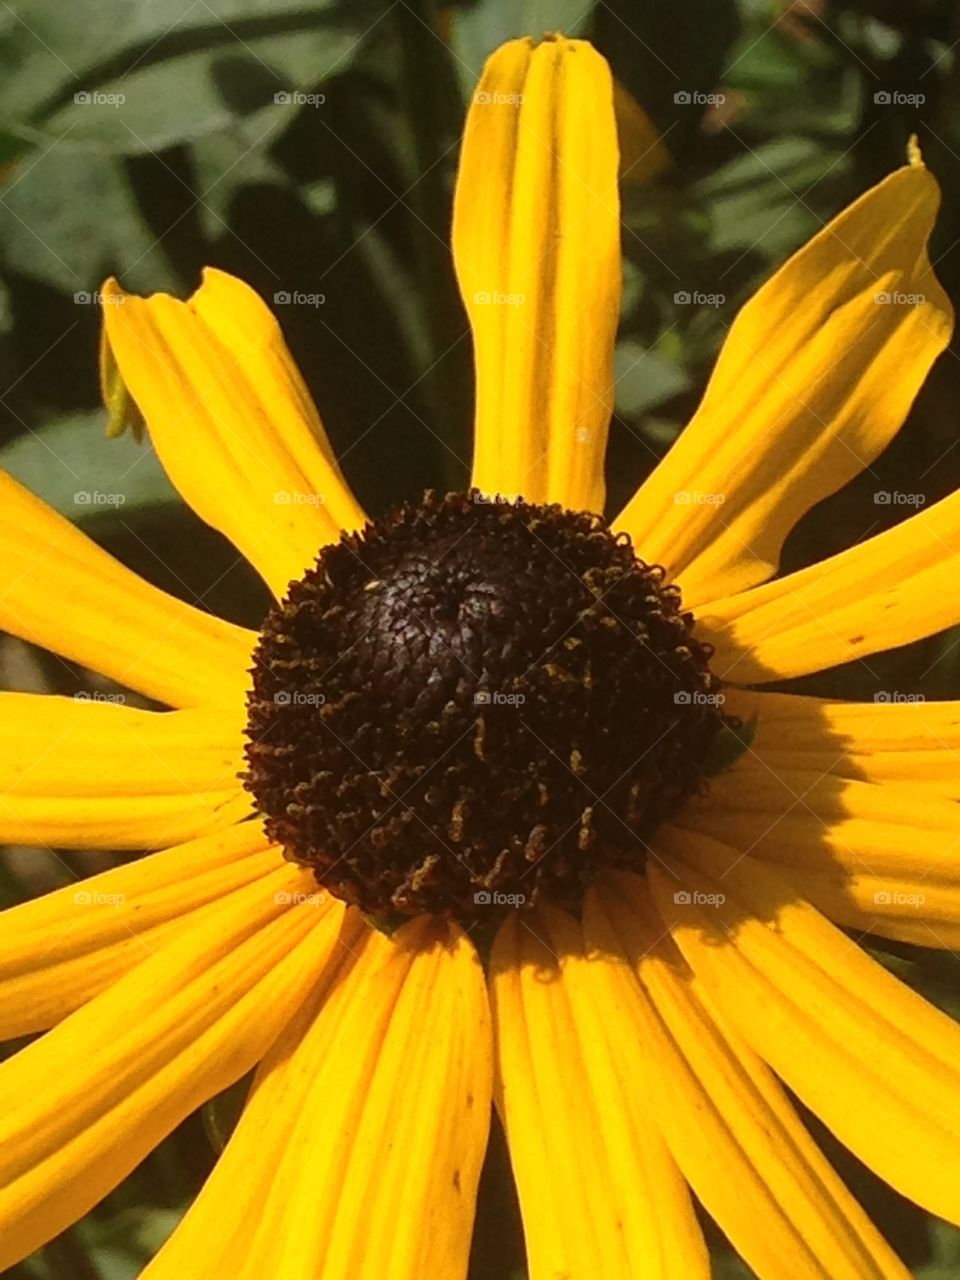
{"x":85,"y":84}
{"x":73,"y":243}
{"x":645,"y":378}
{"x":759,"y":199}
{"x":223,"y":163}
{"x":212,"y":54}
{"x":72,"y":465}
{"x":201,"y":92}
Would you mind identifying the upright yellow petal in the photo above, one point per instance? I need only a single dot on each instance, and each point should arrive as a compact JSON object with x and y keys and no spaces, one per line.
{"x":536,"y":239}
{"x":63,"y":592}
{"x":359,"y":1152}
{"x":815,"y":377}
{"x":599,"y":1193}
{"x":232,"y":421}
{"x":877,"y":1063}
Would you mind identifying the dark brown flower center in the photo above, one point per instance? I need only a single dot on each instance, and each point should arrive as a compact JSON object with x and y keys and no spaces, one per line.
{"x":469,"y":704}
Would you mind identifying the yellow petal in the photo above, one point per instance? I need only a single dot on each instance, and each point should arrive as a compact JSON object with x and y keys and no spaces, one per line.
{"x":814,"y":379}
{"x":359,"y":1152}
{"x":879,"y":859}
{"x":232,"y":421}
{"x":894,"y":588}
{"x":59,"y":950}
{"x":730,"y":1126}
{"x":600,"y":1195}
{"x":903,"y":907}
{"x":891,"y":722}
{"x":536,"y":240}
{"x":889,"y":740}
{"x":62,"y":592}
{"x":82,"y":774}
{"x":119,"y":822}
{"x":87,"y":746}
{"x":877,"y":1064}
{"x":120,"y":1073}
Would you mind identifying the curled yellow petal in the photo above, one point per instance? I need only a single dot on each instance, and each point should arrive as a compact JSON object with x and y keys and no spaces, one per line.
{"x":232,"y":421}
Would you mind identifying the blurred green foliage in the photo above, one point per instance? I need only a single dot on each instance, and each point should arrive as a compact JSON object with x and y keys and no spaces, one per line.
{"x":152,"y":139}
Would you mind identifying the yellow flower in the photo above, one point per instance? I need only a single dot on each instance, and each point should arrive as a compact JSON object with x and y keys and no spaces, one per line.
{"x":638,"y":1042}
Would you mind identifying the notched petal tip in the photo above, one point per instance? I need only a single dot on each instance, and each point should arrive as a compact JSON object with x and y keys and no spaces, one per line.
{"x":230,"y":418}
{"x":537,"y":249}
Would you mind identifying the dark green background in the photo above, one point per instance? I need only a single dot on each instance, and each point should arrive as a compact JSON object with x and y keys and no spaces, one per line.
{"x":351,"y":199}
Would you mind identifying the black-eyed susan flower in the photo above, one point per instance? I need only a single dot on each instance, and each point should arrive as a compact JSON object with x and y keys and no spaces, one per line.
{"x":483,"y":717}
